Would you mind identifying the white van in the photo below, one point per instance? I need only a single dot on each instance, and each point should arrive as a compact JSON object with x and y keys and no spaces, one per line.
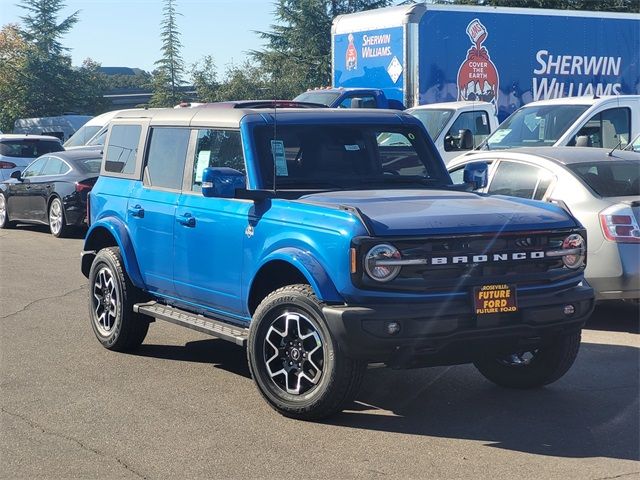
{"x":604,"y":122}
{"x":92,"y":132}
{"x":61,"y":126}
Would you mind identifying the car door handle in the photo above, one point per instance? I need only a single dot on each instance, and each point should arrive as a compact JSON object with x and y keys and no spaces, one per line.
{"x":187,"y":220}
{"x":136,"y":211}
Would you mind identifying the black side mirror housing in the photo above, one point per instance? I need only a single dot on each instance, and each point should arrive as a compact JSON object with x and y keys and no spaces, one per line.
{"x":17,"y":175}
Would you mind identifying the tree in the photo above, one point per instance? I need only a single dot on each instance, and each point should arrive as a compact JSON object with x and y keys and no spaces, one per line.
{"x":167,"y":77}
{"x":244,"y":82}
{"x":204,"y":77}
{"x":603,"y":5}
{"x":14,"y":51}
{"x":298,"y":51}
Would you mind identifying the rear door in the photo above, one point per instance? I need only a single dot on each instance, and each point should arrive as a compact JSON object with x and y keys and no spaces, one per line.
{"x":19,"y":201}
{"x":152,"y":206}
{"x":42,"y":186}
{"x":520,"y":179}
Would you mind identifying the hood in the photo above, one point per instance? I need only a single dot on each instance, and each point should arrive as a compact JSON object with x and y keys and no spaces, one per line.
{"x":433,"y":212}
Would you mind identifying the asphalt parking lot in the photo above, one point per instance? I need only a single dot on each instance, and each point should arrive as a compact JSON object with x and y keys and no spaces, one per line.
{"x":184,"y":405}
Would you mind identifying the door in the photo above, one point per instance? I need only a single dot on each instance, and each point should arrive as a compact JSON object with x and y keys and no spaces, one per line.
{"x":42,"y":186}
{"x":209,"y":232}
{"x":152,"y":205}
{"x":20,"y":203}
{"x":522,"y":180}
{"x":610,"y":128}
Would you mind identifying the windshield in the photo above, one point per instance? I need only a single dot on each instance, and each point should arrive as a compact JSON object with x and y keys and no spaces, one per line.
{"x":610,"y":179}
{"x":98,"y":139}
{"x":434,"y":120}
{"x":634,"y":145}
{"x":81,"y":137}
{"x":318,"y":96}
{"x":535,"y":126}
{"x":28,"y":148}
{"x":327,"y":157}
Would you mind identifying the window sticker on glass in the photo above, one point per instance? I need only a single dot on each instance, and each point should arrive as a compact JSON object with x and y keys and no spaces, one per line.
{"x":500,"y":134}
{"x":541,"y":129}
{"x":351,"y":148}
{"x":484,"y":119}
{"x":201,"y":163}
{"x":277,"y":149}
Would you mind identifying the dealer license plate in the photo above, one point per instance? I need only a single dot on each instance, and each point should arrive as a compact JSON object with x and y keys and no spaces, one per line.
{"x":495,"y":299}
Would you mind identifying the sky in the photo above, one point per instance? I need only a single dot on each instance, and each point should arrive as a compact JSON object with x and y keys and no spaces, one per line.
{"x":126,"y":33}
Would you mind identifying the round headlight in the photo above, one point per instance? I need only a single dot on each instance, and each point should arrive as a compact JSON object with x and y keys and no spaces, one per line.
{"x":575,"y":243}
{"x":374,"y":262}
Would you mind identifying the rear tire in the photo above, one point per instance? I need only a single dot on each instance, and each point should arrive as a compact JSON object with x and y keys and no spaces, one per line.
{"x":4,"y":214}
{"x":111,"y":300}
{"x":297,"y":365}
{"x":57,"y":219}
{"x":524,"y":370}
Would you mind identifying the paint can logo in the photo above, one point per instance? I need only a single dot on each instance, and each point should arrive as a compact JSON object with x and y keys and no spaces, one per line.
{"x":352,"y":55}
{"x":477,"y":76}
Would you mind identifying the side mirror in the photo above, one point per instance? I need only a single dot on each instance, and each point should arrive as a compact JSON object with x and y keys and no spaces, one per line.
{"x":476,"y":174}
{"x":17,"y":175}
{"x":221,"y":182}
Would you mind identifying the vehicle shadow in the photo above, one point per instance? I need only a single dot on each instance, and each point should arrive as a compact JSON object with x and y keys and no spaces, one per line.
{"x":222,"y":354}
{"x":615,"y":317}
{"x":74,"y":232}
{"x":591,"y":412}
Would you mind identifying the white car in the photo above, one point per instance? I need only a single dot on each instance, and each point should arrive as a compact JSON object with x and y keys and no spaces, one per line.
{"x":18,"y":151}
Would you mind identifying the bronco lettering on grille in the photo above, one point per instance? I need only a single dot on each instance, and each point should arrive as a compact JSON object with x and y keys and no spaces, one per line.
{"x":493,"y":257}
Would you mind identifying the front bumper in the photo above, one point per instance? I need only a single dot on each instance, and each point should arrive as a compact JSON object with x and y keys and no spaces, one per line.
{"x":450,"y":333}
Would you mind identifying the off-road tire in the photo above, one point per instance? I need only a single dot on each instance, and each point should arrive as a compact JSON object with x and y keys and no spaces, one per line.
{"x":4,"y":219}
{"x":127,"y":329}
{"x":341,"y":376}
{"x":548,"y":364}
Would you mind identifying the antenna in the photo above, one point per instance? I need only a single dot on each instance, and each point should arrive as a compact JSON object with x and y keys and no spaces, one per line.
{"x":275,"y":136}
{"x":610,"y":154}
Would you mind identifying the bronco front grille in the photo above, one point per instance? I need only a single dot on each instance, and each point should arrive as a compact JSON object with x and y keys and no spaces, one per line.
{"x":452,"y":263}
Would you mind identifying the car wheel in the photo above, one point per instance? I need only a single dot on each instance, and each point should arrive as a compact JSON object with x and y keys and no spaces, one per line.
{"x":294,"y":360}
{"x":535,"y":368}
{"x":4,"y":214}
{"x":111,"y":300}
{"x":57,"y":221}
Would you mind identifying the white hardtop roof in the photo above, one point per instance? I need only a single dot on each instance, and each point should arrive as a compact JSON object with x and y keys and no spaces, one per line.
{"x":103,"y":118}
{"x":587,"y":100}
{"x":23,"y":136}
{"x":401,"y":15}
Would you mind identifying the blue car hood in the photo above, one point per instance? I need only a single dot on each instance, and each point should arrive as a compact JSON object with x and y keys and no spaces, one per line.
{"x":429,"y":212}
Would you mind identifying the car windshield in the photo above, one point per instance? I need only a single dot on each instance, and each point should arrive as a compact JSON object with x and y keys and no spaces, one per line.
{"x":28,"y":148}
{"x":322,"y":157}
{"x":98,"y":139}
{"x":434,"y":120}
{"x":318,"y":96}
{"x":535,"y":126}
{"x":610,"y":179}
{"x":82,"y":136}
{"x":634,"y":145}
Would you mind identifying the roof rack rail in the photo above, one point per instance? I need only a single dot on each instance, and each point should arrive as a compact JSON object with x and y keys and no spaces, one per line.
{"x":264,"y":104}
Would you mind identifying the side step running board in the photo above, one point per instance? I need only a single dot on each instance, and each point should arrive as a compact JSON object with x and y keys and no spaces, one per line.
{"x":217,"y":328}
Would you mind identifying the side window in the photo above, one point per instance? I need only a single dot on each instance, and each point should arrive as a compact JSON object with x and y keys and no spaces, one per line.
{"x":216,"y":148}
{"x":606,"y":129}
{"x":467,"y":131}
{"x":166,"y":157}
{"x":121,"y":153}
{"x":457,"y":175}
{"x":35,"y":168}
{"x":54,"y":166}
{"x":519,"y":180}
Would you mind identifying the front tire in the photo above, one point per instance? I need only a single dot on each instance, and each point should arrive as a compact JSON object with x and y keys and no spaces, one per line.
{"x":111,"y":300}
{"x":532,"y":369}
{"x":57,"y":219}
{"x":4,"y":214}
{"x":294,"y":360}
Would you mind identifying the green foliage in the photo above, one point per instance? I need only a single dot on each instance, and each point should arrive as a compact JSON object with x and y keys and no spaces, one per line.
{"x":298,"y":51}
{"x":623,"y":6}
{"x":244,"y":82}
{"x":167,"y":77}
{"x":140,"y":80}
{"x":36,"y":76}
{"x":204,"y":77}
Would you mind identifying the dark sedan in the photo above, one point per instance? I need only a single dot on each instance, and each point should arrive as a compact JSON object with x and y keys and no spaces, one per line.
{"x":52,"y":190}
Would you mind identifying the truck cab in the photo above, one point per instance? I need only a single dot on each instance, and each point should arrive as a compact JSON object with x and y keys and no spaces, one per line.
{"x":601,"y":122}
{"x":456,"y":127}
{"x":349,"y":98}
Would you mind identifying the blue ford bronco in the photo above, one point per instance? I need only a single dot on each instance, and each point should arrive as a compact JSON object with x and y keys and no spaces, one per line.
{"x":325,"y":240}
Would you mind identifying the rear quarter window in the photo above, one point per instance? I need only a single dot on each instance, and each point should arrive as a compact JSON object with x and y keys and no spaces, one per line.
{"x":610,"y":179}
{"x":122,"y":150}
